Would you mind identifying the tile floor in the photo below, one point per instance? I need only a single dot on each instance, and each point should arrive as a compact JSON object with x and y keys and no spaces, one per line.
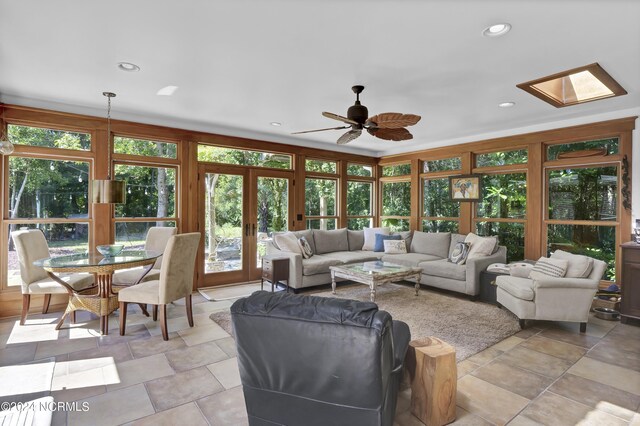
{"x":546,"y":374}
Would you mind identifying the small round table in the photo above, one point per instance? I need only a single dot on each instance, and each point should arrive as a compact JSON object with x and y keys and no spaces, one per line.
{"x":99,"y":299}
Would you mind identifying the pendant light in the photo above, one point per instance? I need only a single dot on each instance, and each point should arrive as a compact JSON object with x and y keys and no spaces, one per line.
{"x":107,"y":190}
{"x":6,"y":147}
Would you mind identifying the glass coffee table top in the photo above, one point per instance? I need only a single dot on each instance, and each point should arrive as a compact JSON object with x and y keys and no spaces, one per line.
{"x":375,"y":267}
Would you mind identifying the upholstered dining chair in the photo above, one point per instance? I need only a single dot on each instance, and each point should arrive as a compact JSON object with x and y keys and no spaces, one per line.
{"x":156,"y":240}
{"x":175,"y":282}
{"x":31,"y":245}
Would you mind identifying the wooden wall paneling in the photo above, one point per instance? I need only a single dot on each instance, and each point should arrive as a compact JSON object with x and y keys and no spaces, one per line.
{"x":626,"y":149}
{"x":299,"y":185}
{"x":535,"y":227}
{"x":102,"y":214}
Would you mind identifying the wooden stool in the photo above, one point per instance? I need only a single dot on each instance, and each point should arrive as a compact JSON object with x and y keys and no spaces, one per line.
{"x":431,"y":364}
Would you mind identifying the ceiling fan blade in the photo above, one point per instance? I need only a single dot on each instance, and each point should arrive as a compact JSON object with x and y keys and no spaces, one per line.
{"x":400,"y":134}
{"x":349,"y":136}
{"x":339,"y":118}
{"x":393,"y":120}
{"x":321,"y":130}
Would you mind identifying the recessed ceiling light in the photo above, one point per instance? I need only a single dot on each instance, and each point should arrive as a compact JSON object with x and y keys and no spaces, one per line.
{"x":128,"y":66}
{"x":506,"y":104}
{"x":276,"y":123}
{"x":167,"y":91}
{"x":496,"y":30}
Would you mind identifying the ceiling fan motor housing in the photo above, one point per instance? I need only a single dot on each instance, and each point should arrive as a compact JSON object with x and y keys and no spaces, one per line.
{"x":358,"y":113}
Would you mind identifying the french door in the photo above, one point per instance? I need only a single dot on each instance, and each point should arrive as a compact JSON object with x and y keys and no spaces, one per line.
{"x":239,"y":210}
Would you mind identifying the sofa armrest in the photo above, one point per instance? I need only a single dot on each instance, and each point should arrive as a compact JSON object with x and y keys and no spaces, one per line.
{"x":295,"y":264}
{"x":479,"y":264}
{"x":566,"y":283}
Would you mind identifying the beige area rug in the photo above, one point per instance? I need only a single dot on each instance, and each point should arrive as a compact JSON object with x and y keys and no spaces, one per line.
{"x":469,"y":326}
{"x":215,"y":294}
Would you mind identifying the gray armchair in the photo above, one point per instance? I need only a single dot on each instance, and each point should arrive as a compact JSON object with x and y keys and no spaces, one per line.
{"x":307,"y":360}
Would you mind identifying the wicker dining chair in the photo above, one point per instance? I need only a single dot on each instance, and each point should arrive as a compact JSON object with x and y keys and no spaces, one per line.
{"x":156,"y":240}
{"x":31,"y":245}
{"x":175,"y":282}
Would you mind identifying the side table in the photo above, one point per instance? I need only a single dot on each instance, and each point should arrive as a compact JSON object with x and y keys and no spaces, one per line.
{"x":274,"y":270}
{"x":488,"y":287}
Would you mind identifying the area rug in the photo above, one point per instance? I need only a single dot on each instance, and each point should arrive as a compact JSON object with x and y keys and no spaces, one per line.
{"x":469,"y":326}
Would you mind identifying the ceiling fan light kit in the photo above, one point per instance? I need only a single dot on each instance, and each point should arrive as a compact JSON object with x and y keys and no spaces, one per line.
{"x":387,"y":126}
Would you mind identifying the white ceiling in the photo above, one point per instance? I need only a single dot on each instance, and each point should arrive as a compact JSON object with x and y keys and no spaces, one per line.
{"x":241,"y":64}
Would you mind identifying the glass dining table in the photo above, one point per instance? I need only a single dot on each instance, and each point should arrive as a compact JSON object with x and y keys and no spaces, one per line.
{"x":101,"y":298}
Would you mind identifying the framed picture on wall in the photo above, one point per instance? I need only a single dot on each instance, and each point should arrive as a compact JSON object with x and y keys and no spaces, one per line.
{"x":465,"y":188}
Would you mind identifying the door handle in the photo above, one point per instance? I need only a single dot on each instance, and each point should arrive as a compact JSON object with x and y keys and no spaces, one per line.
{"x":254,"y":230}
{"x":246,"y":230}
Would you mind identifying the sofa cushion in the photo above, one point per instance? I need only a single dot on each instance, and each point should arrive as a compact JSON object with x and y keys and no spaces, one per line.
{"x":578,"y":266}
{"x":444,"y":269}
{"x":455,"y":238}
{"x":432,"y":243}
{"x":522,"y":288}
{"x":407,"y":237}
{"x":318,"y":264}
{"x":355,"y":239}
{"x":380,"y":239}
{"x":287,"y":242}
{"x":353,"y":256}
{"x":409,"y":259}
{"x":480,"y":246}
{"x":328,"y":241}
{"x":308,"y":234}
{"x":370,"y":237}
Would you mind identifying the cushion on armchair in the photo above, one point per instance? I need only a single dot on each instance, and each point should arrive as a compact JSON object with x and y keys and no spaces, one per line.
{"x":578,"y":266}
{"x":546,"y":268}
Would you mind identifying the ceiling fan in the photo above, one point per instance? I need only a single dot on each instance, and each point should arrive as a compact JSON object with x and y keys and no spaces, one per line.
{"x":388,"y":125}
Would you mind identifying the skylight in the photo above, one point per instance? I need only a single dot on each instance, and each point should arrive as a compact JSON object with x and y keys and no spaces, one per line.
{"x":579,"y":85}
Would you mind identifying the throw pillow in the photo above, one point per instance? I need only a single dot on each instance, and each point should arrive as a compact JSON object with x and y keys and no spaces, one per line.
{"x":480,"y":246}
{"x":380,"y":238}
{"x":393,"y":246}
{"x":520,"y":270}
{"x":579,"y":266}
{"x":288,"y":242}
{"x":305,"y":248}
{"x":546,"y":268}
{"x":459,"y":253}
{"x":370,"y":237}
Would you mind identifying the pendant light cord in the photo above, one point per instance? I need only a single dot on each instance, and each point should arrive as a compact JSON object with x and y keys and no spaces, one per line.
{"x":109,"y":95}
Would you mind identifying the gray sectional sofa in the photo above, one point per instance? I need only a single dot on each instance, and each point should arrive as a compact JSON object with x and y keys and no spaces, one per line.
{"x":430,"y":251}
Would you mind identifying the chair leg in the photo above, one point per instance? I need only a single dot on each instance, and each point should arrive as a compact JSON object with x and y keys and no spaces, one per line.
{"x":123,"y":317}
{"x":522,"y":323}
{"x":155,"y":312}
{"x":163,"y":322}
{"x":26,"y":301}
{"x":583,"y":327}
{"x":45,"y":305}
{"x":72,"y":317}
{"x":187,"y":302}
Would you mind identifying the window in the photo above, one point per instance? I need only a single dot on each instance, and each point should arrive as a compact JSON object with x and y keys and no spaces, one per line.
{"x":320,"y":166}
{"x":396,"y":205}
{"x":243,"y":157}
{"x":608,"y":146}
{"x":134,"y":234}
{"x":359,"y":204}
{"x":502,"y":211}
{"x":439,"y":212}
{"x":123,"y":145}
{"x":396,"y":170}
{"x":320,"y":203}
{"x":354,"y":169}
{"x":37,"y":136}
{"x":150,"y":191}
{"x":442,"y":165}
{"x":588,"y":195}
{"x":502,"y":158}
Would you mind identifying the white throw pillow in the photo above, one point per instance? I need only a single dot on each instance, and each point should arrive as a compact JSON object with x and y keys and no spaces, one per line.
{"x":370,"y":237}
{"x":520,"y":270}
{"x":305,"y":247}
{"x":579,"y":266}
{"x":546,"y":268}
{"x":395,"y":246}
{"x":480,"y":246}
{"x":288,"y":242}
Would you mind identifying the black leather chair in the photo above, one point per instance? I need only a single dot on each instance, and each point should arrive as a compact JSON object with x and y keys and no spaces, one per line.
{"x":307,"y":360}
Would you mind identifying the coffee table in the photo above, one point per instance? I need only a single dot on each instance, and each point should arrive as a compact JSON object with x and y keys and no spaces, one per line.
{"x":374,"y":273}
